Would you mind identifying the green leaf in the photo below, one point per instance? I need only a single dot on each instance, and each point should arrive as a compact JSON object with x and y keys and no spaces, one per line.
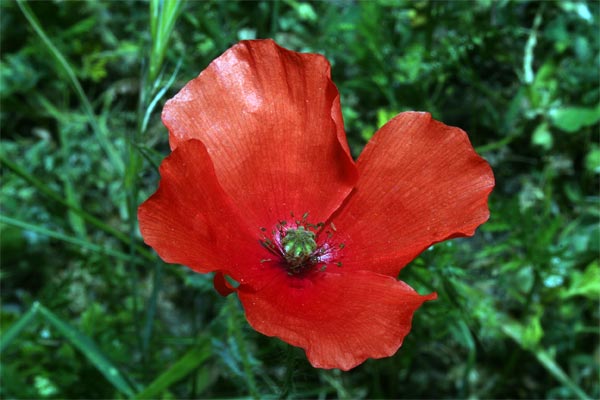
{"x":528,"y":336}
{"x":384,"y":116}
{"x":585,"y":284}
{"x":544,"y":87}
{"x":515,"y":331}
{"x":90,"y":350}
{"x":542,"y":137}
{"x":572,"y":119}
{"x":592,"y":160}
{"x":533,"y":333}
{"x":184,"y":366}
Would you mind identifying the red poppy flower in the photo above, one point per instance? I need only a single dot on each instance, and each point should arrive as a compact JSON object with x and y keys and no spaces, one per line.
{"x":261,"y":187}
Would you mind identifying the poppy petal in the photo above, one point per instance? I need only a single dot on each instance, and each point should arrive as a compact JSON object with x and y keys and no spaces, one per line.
{"x":190,"y":220}
{"x":222,"y":286}
{"x":271,"y":121}
{"x":420,"y":182}
{"x":340,"y":320}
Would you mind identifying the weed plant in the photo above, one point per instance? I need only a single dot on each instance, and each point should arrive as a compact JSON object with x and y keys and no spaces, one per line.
{"x":88,"y":311}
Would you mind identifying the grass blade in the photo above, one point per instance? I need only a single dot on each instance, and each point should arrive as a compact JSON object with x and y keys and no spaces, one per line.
{"x":45,"y":190}
{"x":69,"y":239}
{"x":101,"y":135}
{"x":76,"y":222}
{"x":90,"y":350}
{"x":151,"y":307}
{"x":163,"y":14}
{"x":159,"y":96}
{"x":184,"y":366}
{"x":513,"y":330}
{"x":16,"y":328}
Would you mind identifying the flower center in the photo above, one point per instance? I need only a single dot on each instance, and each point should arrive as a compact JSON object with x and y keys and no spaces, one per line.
{"x":298,"y":243}
{"x":295,"y":246}
{"x":299,"y":248}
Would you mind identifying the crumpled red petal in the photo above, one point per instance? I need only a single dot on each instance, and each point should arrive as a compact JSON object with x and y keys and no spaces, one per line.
{"x":191,"y":221}
{"x":420,"y":182}
{"x":222,"y":286}
{"x":270,"y":119}
{"x":339,"y":319}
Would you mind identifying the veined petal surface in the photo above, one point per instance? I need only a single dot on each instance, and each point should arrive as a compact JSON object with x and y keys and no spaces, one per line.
{"x":339,"y":319}
{"x":191,"y":221}
{"x":270,"y":119}
{"x":420,"y":182}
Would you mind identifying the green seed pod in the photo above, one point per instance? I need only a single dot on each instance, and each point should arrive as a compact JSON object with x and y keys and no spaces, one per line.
{"x":299,"y":243}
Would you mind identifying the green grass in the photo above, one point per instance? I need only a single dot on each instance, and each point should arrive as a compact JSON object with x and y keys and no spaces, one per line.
{"x":88,"y":311}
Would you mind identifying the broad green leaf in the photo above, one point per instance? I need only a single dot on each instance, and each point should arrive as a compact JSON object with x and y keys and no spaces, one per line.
{"x":592,"y":160}
{"x":184,"y":366}
{"x":527,"y":335}
{"x":585,"y":284}
{"x":542,"y":137}
{"x":572,"y":119}
{"x":384,"y":116}
{"x":305,"y":11}
{"x":44,"y":386}
{"x":544,"y":87}
{"x":533,"y":333}
{"x":578,"y":8}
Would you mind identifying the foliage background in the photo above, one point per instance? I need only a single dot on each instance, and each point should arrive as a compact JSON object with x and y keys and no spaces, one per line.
{"x":88,"y":311}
